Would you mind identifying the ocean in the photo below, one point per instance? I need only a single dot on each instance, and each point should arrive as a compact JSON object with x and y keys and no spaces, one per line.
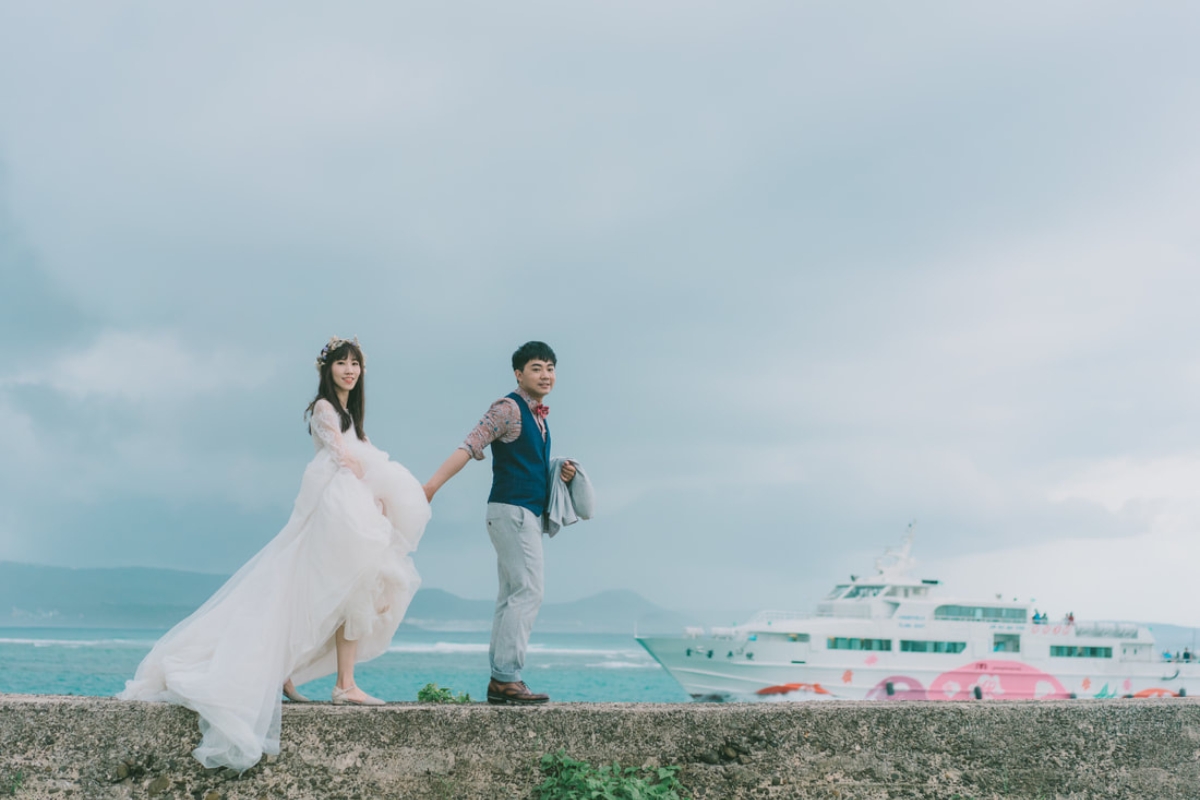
{"x":570,"y":667}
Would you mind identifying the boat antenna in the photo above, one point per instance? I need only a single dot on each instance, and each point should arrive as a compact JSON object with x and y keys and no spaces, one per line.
{"x":901,"y":559}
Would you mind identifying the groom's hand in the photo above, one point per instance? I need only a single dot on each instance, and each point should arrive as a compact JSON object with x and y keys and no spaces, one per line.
{"x":429,"y":492}
{"x":568,"y":472}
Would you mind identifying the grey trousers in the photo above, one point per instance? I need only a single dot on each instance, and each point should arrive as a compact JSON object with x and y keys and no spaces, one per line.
{"x":517,"y":536}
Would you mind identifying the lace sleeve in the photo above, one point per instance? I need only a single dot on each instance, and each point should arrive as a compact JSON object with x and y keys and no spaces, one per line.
{"x":326,"y":427}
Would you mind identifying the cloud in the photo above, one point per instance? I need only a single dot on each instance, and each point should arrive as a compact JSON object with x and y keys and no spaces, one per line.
{"x":1116,"y":483}
{"x":1134,"y":576}
{"x":810,"y":275}
{"x":1130,"y":578}
{"x":23,"y":453}
{"x":143,"y":368}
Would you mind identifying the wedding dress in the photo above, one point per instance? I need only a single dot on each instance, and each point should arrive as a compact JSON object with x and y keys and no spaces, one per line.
{"x":342,"y":558}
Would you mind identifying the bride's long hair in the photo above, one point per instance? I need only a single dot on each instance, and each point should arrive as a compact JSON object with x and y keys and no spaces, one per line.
{"x":355,"y":404}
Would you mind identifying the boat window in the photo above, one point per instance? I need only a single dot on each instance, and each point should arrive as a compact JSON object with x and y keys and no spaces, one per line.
{"x":914,"y":646}
{"x":864,"y":591}
{"x":846,"y":643}
{"x":1070,"y":651}
{"x":837,"y":591}
{"x":981,"y":613}
{"x":906,"y":591}
{"x":1006,"y":643}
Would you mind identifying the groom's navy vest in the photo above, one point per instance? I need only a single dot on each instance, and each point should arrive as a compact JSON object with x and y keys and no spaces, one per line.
{"x":521,"y":468}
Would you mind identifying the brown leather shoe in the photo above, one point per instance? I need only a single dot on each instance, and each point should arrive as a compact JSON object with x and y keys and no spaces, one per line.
{"x":513,"y":694}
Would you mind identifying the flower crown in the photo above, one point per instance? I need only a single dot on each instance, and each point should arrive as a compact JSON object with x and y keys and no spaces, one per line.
{"x":334,"y":343}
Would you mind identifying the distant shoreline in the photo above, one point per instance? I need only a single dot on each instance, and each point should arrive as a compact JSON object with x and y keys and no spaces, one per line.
{"x":33,"y":595}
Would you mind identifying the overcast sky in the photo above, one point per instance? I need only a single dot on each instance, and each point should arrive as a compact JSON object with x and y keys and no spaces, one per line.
{"x":812,"y":270}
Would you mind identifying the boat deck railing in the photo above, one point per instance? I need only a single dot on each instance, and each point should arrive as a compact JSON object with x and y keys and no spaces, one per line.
{"x":767,"y":617}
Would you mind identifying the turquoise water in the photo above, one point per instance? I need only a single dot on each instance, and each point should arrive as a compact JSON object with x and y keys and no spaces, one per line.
{"x":570,"y":667}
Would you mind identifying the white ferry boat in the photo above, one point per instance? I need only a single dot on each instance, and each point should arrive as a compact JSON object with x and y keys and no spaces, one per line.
{"x":892,"y":637}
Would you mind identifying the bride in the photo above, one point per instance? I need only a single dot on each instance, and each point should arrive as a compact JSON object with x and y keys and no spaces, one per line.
{"x":329,"y":590}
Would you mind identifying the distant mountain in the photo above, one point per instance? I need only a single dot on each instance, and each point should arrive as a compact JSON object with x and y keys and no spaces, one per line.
{"x":435,"y":609}
{"x":616,"y":611}
{"x":123,"y":597}
{"x":136,"y":597}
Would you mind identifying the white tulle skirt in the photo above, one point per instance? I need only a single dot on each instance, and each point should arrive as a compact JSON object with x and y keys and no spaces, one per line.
{"x":342,"y":558}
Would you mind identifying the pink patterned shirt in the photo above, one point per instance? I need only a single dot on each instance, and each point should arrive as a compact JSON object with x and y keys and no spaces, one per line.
{"x":503,"y":422}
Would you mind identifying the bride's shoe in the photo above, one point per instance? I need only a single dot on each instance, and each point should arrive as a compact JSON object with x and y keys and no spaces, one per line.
{"x":289,"y":691}
{"x":341,"y":697}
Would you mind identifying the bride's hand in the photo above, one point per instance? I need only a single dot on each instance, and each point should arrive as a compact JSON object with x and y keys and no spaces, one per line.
{"x":354,"y":465}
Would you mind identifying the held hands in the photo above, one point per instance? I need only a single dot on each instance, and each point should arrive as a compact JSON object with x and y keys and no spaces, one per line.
{"x":568,"y":472}
{"x":449,"y":468}
{"x":354,"y":465}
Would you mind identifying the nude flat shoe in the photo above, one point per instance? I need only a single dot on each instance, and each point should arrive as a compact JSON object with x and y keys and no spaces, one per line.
{"x":294,"y":696}
{"x":341,"y":697}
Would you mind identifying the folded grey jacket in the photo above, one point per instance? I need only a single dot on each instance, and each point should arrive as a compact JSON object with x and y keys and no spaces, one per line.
{"x":569,"y":502}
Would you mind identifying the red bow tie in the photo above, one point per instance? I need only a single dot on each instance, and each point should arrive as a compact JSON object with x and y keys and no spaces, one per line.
{"x":541,"y":411}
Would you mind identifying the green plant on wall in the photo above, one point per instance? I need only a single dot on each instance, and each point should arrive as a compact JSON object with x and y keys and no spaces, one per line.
{"x":568,"y":779}
{"x":432,"y":693}
{"x":12,"y":783}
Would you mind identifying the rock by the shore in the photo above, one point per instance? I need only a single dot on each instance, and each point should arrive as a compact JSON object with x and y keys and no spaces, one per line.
{"x":70,"y":747}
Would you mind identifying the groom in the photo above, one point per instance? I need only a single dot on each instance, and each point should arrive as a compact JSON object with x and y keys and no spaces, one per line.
{"x":515,"y":428}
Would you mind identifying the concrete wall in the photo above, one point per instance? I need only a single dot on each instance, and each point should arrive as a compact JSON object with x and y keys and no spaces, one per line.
{"x":65,"y":747}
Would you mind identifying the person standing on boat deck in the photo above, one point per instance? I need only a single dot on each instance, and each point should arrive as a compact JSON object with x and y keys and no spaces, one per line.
{"x":515,"y":427}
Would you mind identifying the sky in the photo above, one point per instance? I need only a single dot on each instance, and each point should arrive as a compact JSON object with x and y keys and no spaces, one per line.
{"x":812,"y":271}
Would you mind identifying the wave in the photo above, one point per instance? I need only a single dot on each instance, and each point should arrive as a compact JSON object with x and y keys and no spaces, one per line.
{"x":581,"y":651}
{"x":77,"y":643}
{"x":439,"y":647}
{"x":534,"y":649}
{"x":602,"y":666}
{"x":647,"y":664}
